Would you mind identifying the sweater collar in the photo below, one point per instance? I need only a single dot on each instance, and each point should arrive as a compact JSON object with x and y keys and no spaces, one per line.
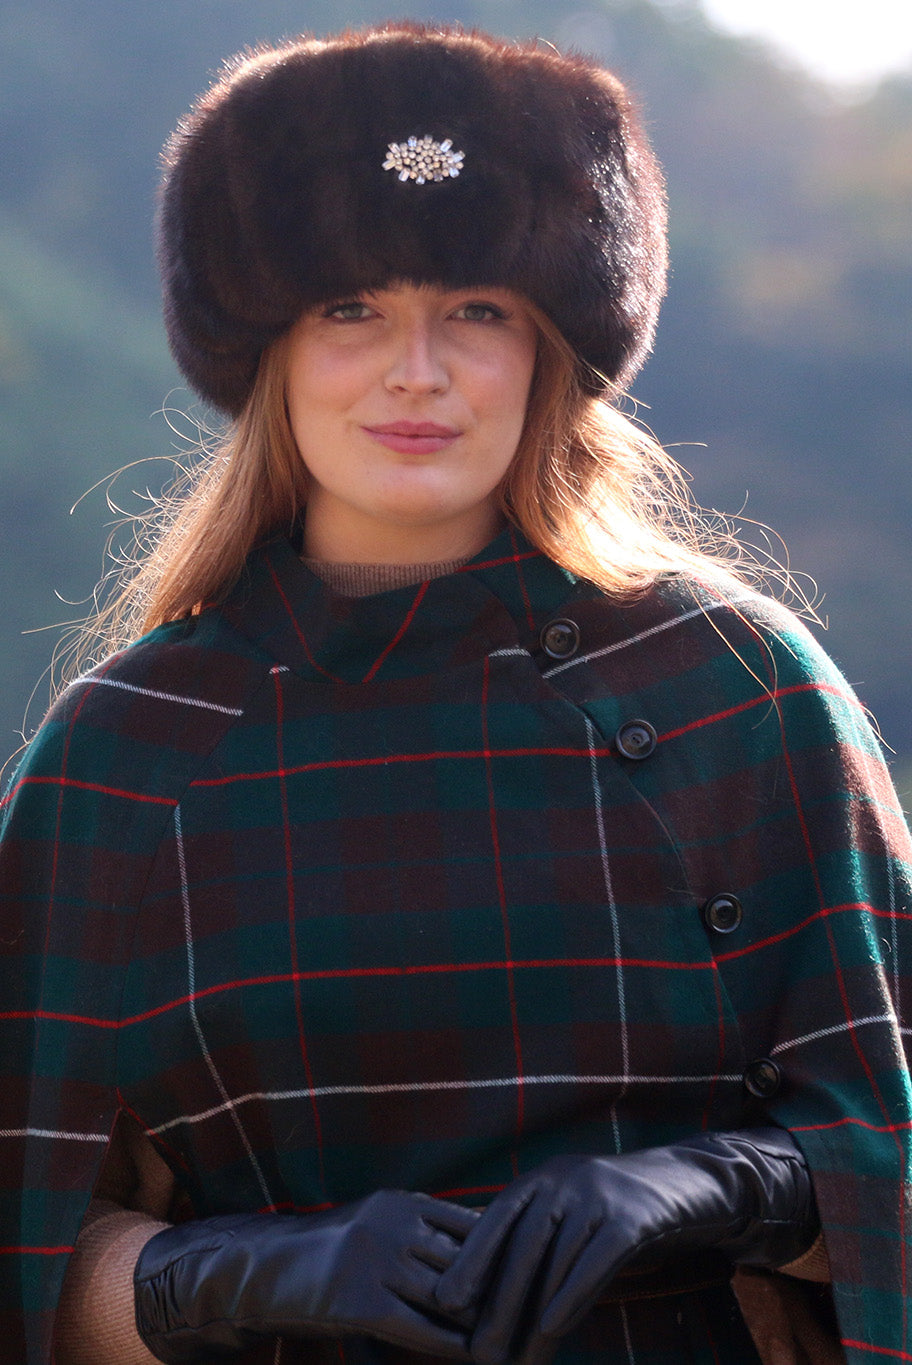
{"x":498,"y":600}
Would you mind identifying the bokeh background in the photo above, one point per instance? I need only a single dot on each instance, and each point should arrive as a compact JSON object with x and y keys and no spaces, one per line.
{"x":781,"y":376}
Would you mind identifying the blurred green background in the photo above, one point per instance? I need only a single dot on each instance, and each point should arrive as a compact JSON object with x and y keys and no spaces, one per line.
{"x":781,"y":376}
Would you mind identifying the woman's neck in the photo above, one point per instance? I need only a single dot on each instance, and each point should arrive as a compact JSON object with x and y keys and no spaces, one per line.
{"x":346,"y":537}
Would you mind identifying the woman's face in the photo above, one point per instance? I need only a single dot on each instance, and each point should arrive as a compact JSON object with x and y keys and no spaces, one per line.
{"x":407,"y":406}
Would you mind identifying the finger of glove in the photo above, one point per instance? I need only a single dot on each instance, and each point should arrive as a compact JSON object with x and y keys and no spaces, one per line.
{"x":452,"y":1219}
{"x":466,"y":1279}
{"x":380,"y":1276}
{"x":579,"y":1227}
{"x":419,"y":1298}
{"x":395,"y":1301}
{"x":436,"y":1248}
{"x":512,"y":1304}
{"x":394,"y":1227}
{"x":568,"y":1301}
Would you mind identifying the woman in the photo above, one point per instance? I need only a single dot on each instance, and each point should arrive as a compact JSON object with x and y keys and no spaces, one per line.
{"x":475,"y":914}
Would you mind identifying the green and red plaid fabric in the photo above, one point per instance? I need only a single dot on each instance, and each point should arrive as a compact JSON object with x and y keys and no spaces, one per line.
{"x":338,"y":894}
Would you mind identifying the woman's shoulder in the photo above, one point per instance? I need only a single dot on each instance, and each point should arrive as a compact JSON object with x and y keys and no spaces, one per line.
{"x":698,"y":647}
{"x":747,"y":620}
{"x":198,"y":662}
{"x":147,"y":711}
{"x":693,"y":611}
{"x":749,"y":647}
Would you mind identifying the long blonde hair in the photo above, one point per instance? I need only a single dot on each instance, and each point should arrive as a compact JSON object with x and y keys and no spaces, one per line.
{"x":588,"y":487}
{"x":595,"y":491}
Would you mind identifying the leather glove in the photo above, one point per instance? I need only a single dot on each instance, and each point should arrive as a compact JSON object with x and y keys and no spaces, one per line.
{"x":548,"y":1245}
{"x":216,"y":1286}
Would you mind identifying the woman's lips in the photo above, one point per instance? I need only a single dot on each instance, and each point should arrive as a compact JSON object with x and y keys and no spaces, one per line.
{"x":413,"y":438}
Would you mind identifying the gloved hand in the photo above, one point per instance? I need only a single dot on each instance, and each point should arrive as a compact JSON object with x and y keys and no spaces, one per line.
{"x":545,"y":1249}
{"x":216,"y":1286}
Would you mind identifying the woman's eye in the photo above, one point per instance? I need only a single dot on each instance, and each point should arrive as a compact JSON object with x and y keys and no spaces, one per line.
{"x":352,"y":311}
{"x":479,"y":312}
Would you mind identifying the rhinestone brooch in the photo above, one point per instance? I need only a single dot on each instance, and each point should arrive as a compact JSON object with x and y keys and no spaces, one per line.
{"x":421,"y":159}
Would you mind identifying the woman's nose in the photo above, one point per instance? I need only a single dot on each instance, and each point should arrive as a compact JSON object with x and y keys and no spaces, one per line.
{"x":418,"y":363}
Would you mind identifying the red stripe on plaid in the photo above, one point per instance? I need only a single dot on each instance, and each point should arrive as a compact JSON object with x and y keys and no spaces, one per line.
{"x":720,"y":1055}
{"x":288,"y":1206}
{"x":339,"y":973}
{"x":417,"y":969}
{"x":504,"y":915}
{"x":292,"y":932}
{"x":62,"y":1018}
{"x":294,"y":621}
{"x":36,"y":1251}
{"x":378,"y":663}
{"x":855,"y":1123}
{"x":431,"y":968}
{"x":382,"y":760}
{"x":441,"y":968}
{"x":463,"y":1191}
{"x":504,"y":559}
{"x":875,"y":1350}
{"x":773,"y":695}
{"x":517,"y":559}
{"x":69,"y":782}
{"x":810,"y":919}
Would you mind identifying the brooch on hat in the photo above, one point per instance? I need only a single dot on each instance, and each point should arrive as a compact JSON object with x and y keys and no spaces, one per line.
{"x":421,"y":159}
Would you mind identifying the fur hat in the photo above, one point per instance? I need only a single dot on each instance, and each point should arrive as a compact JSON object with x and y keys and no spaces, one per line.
{"x":292,"y":182}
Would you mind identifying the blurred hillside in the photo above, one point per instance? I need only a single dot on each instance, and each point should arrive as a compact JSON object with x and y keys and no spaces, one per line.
{"x":781,"y":376}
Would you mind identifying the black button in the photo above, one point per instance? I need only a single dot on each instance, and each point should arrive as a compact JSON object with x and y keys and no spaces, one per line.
{"x":723,"y":913}
{"x":560,"y":639}
{"x":762,"y":1078}
{"x":636,"y":739}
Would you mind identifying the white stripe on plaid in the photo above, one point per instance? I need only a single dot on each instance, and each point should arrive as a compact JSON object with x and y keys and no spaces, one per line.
{"x":90,"y":681}
{"x":631,"y":1358}
{"x":416,"y":1087}
{"x":844,"y":1027}
{"x":191,"y":988}
{"x":615,"y":926}
{"x":644,"y":635}
{"x":52,"y":1133}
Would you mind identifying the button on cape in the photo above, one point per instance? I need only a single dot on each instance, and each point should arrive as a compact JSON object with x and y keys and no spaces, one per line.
{"x":340,"y":894}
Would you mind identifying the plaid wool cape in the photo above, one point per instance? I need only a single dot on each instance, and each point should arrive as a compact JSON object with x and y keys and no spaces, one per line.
{"x":333,"y":894}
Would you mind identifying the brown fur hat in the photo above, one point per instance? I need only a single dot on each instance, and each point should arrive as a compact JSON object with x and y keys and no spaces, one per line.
{"x":275,"y":196}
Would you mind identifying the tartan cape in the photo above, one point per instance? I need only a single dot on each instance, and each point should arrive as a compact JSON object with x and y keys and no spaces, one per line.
{"x":339,"y":894}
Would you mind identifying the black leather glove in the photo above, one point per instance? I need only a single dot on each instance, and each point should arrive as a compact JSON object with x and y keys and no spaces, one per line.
{"x":216,"y":1286}
{"x":548,"y":1245}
